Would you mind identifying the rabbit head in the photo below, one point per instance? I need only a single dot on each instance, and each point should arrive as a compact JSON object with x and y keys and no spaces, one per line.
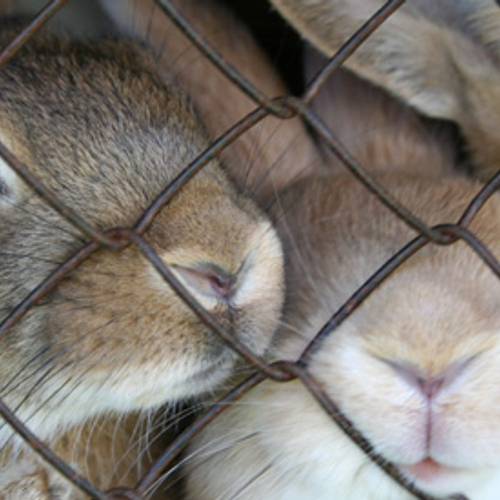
{"x":415,"y":367}
{"x":106,"y":133}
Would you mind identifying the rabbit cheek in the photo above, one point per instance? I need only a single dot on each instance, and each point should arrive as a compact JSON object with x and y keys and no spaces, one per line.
{"x":466,"y":431}
{"x":388,"y":412}
{"x":132,"y":346}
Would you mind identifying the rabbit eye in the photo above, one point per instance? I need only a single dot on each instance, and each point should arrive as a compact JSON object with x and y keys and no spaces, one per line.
{"x":5,"y":190}
{"x":9,"y":184}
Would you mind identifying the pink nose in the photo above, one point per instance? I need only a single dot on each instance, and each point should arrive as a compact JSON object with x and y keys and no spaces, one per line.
{"x":223,"y":285}
{"x":429,"y":386}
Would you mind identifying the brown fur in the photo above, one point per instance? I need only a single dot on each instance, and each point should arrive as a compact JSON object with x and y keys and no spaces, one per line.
{"x":107,"y":451}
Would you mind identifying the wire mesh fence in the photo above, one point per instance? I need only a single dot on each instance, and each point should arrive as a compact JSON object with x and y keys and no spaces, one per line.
{"x":118,"y":239}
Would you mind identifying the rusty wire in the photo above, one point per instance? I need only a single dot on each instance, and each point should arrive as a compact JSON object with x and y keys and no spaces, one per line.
{"x":119,"y":238}
{"x":349,"y":47}
{"x":38,"y":21}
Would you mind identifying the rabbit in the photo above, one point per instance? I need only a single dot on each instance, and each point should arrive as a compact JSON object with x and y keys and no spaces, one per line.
{"x":415,"y":367}
{"x":105,"y":126}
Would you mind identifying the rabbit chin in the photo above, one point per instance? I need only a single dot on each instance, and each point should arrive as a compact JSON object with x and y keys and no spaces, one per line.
{"x":340,"y":466}
{"x":437,"y":479}
{"x":132,"y":389}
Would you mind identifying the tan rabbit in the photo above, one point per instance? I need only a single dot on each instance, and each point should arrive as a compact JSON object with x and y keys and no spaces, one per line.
{"x":106,"y":130}
{"x":415,"y":368}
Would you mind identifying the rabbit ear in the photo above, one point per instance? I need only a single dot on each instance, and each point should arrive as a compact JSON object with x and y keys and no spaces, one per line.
{"x":268,"y":156}
{"x":432,"y":55}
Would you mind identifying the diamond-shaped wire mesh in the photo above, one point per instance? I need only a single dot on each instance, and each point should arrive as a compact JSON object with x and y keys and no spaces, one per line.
{"x":117,"y":240}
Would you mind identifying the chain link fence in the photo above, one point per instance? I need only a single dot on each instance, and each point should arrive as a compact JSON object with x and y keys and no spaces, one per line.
{"x":117,"y":240}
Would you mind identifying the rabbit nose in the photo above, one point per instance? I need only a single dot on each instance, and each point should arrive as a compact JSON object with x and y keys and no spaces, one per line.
{"x":429,"y":386}
{"x":426,"y":384}
{"x":223,"y":284}
{"x":210,"y":280}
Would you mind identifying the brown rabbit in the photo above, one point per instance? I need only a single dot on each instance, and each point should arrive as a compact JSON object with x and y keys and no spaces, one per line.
{"x":415,"y":368}
{"x":103,"y":126}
